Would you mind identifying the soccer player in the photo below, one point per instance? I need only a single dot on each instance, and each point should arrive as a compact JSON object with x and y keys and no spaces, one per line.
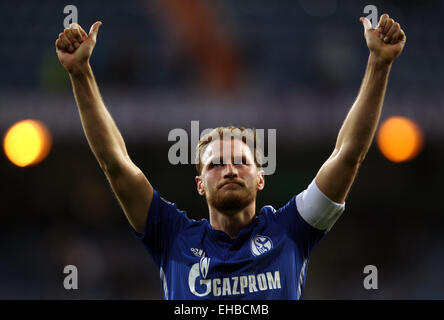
{"x":237,"y":254}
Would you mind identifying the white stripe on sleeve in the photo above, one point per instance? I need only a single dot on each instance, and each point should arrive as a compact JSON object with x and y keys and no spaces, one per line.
{"x":164,"y":282}
{"x":301,"y":279}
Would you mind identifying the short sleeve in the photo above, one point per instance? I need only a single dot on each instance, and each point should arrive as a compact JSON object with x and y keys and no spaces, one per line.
{"x":164,"y":222}
{"x":302,"y":233}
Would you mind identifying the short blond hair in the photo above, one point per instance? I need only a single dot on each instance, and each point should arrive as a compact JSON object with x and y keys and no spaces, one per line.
{"x":248,"y":136}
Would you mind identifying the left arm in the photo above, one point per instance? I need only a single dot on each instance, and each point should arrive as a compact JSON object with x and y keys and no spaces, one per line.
{"x":337,"y":174}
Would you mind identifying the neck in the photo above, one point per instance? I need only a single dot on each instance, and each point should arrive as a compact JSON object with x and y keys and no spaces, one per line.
{"x":232,"y":222}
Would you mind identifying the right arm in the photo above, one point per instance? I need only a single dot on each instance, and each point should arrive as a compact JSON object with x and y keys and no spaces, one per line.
{"x":129,"y":184}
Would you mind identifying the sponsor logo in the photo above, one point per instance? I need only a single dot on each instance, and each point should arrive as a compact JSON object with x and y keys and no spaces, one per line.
{"x":201,"y":285}
{"x":204,"y":265}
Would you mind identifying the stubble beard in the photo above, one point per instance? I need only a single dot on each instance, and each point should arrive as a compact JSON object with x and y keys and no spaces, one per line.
{"x":229,"y":202}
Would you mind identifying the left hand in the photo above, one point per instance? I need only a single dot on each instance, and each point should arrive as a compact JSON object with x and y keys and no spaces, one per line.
{"x":386,"y":41}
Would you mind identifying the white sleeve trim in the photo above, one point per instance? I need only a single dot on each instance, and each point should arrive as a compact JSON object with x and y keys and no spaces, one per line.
{"x":317,"y":209}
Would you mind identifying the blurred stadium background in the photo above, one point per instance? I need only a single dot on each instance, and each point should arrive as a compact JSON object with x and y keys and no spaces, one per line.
{"x":295,"y":66}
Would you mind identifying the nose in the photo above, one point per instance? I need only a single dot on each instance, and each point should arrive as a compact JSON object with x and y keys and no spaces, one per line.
{"x":230,"y":171}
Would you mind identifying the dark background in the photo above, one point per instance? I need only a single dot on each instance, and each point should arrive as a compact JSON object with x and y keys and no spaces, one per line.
{"x":293,"y":66}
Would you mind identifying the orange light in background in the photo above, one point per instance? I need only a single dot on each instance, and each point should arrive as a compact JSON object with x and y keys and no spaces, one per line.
{"x":27,"y":143}
{"x":400,"y":139}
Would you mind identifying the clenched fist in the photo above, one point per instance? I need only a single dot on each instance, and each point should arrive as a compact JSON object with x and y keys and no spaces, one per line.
{"x":386,"y":41}
{"x":74,"y":46}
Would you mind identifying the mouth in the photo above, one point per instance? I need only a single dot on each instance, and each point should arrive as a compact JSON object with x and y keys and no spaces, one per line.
{"x":231,"y":184}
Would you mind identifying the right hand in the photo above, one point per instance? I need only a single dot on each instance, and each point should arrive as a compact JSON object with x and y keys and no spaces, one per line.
{"x":74,"y":47}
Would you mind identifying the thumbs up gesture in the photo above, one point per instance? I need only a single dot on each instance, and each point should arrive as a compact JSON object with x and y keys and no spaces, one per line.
{"x":74,"y":47}
{"x":387,"y":40}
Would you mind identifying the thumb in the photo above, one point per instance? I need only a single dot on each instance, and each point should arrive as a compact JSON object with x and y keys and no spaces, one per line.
{"x":94,"y":30}
{"x":366,"y":23}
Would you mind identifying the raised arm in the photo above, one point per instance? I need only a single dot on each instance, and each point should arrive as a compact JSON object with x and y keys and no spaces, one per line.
{"x":337,"y":174}
{"x":134,"y":192}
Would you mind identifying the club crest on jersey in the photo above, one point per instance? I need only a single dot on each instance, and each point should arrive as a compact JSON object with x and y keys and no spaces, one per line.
{"x":260,"y":244}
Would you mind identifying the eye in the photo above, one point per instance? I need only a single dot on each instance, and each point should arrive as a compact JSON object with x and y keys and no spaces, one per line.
{"x":212,"y":165}
{"x":239,"y":161}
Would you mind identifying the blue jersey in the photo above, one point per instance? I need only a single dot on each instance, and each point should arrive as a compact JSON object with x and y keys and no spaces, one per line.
{"x":267,"y":260}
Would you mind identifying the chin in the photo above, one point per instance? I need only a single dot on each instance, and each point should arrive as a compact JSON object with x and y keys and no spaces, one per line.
{"x":232,"y":200}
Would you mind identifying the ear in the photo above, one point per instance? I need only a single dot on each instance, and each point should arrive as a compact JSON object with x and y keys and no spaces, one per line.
{"x":200,"y":187}
{"x":260,"y":181}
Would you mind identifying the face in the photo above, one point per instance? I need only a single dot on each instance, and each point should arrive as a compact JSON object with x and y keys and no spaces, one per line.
{"x":229,"y":179}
